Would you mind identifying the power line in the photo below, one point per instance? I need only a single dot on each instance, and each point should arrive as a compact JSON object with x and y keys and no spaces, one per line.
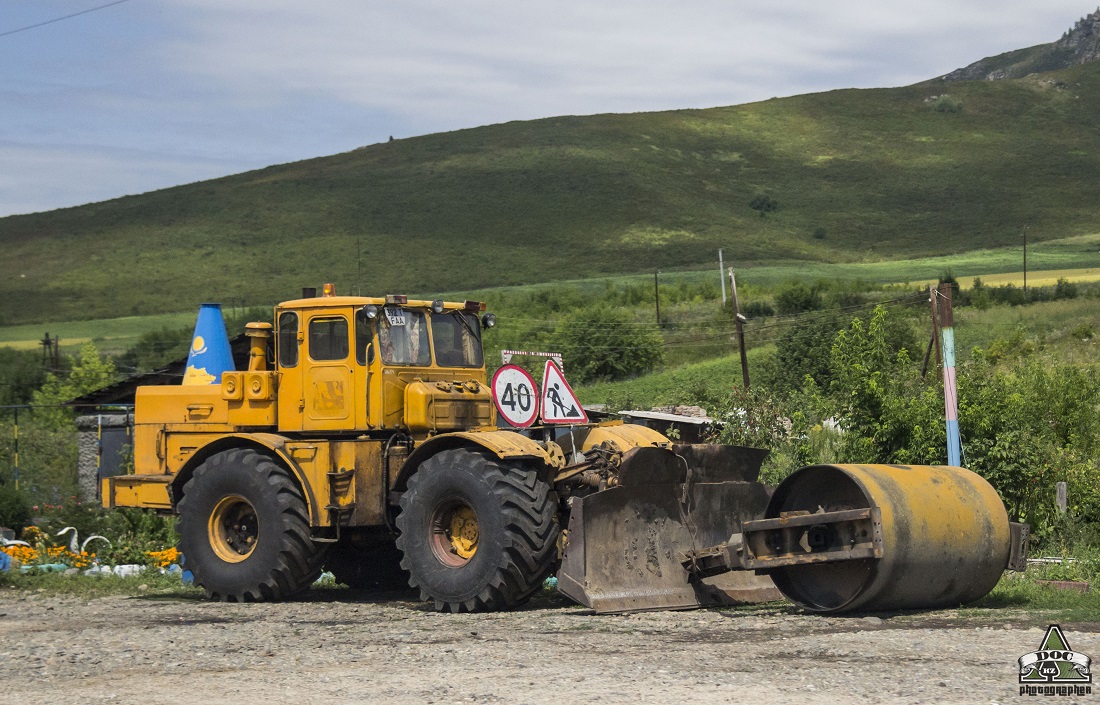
{"x":58,"y":19}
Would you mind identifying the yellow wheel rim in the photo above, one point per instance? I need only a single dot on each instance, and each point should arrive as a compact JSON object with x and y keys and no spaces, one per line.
{"x":454,"y":533}
{"x":233,"y":529}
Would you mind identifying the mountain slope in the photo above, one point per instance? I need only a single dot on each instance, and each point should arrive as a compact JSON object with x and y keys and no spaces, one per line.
{"x":1078,"y":46}
{"x":857,"y":174}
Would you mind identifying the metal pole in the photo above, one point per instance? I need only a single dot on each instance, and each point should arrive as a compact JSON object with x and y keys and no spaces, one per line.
{"x":950,"y":394}
{"x":98,"y":448}
{"x":739,"y":321}
{"x":16,"y":448}
{"x":721,"y":276}
{"x":657,"y":296}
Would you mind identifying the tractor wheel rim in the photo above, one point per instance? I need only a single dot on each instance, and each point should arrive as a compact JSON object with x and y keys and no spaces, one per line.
{"x":454,"y":533}
{"x":233,"y":529}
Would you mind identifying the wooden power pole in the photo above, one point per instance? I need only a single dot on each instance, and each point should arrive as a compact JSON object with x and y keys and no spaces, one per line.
{"x":739,"y":321}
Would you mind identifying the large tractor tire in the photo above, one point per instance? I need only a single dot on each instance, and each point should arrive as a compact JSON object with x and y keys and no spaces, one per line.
{"x":477,"y":534}
{"x":372,"y":567}
{"x":244,"y":529}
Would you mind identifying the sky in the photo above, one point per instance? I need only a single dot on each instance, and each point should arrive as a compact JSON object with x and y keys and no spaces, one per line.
{"x":146,"y":94}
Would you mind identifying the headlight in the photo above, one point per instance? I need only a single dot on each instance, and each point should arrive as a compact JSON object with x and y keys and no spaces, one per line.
{"x":437,"y":306}
{"x":488,"y":320}
{"x":370,"y":311}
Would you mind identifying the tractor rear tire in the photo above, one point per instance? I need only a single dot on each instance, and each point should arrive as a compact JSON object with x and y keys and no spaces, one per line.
{"x":244,"y":529}
{"x":477,"y":534}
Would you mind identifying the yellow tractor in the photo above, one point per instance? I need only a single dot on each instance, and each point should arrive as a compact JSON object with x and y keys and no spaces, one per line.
{"x":363,"y":439}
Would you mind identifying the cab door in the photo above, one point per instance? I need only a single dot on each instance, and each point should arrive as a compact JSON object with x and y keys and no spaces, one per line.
{"x":328,"y":389}
{"x":290,"y":338}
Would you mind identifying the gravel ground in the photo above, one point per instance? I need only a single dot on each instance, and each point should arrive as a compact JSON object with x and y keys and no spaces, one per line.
{"x":337,"y":646}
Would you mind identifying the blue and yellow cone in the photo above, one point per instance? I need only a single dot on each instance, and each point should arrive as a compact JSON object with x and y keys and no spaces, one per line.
{"x":210,"y":355}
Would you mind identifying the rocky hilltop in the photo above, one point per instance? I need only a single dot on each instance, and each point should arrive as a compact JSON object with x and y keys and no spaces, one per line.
{"x":1080,"y":45}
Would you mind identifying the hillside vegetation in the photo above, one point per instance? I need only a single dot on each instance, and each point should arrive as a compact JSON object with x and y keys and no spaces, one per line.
{"x":858,"y":175}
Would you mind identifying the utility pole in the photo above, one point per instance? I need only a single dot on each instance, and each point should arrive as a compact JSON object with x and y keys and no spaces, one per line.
{"x":657,"y":295}
{"x":932,"y":342}
{"x":722,"y":276}
{"x":950,"y":395}
{"x":739,"y":321}
{"x":51,"y":353}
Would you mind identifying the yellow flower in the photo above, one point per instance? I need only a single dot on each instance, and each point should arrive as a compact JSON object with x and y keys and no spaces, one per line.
{"x":165,"y":558}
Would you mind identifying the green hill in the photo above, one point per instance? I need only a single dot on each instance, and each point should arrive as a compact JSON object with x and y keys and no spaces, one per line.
{"x":858,"y":175}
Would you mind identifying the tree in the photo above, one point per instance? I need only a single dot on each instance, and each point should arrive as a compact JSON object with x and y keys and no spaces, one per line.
{"x":20,"y":374}
{"x":89,"y":373}
{"x":764,"y":203}
{"x":602,"y":344}
{"x":156,"y":348}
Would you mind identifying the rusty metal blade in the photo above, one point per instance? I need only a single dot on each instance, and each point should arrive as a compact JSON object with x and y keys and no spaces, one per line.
{"x":712,"y":462}
{"x":625,"y":543}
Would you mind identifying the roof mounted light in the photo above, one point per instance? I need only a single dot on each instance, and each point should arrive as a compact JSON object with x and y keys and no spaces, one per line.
{"x":437,"y":306}
{"x":370,"y":311}
{"x":488,"y":320}
{"x":474,"y":305}
{"x":329,"y":290}
{"x":396,"y":299}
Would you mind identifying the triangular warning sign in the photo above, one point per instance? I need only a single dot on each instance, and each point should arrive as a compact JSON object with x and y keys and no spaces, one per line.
{"x":559,"y":403}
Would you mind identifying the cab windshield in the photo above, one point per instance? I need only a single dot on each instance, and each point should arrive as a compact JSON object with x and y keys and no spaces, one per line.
{"x":457,"y":339}
{"x":403,"y":337}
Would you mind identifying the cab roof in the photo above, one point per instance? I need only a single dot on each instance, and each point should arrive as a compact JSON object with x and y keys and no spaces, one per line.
{"x":359,"y":301}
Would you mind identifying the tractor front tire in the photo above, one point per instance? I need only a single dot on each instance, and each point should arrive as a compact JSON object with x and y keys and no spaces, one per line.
{"x":477,"y":534}
{"x":244,"y":529}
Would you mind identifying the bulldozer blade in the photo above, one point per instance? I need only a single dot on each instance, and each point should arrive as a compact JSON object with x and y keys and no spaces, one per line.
{"x":625,"y":544}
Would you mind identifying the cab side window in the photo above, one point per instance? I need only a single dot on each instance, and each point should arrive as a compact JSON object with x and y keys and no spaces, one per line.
{"x":288,"y":339}
{"x":328,"y":338}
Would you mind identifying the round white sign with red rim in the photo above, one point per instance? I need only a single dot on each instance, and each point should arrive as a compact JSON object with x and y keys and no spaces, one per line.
{"x":516,"y":395}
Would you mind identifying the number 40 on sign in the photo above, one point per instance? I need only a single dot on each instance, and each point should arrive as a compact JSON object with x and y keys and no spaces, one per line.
{"x":516,"y":395}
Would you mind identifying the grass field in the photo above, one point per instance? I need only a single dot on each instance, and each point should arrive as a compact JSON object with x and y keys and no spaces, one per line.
{"x":1047,"y":263}
{"x":1068,"y":330}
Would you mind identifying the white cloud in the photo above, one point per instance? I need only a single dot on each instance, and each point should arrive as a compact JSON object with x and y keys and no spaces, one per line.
{"x":485,"y":61}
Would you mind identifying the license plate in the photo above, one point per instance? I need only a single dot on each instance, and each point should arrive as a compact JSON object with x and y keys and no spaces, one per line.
{"x":395,"y":316}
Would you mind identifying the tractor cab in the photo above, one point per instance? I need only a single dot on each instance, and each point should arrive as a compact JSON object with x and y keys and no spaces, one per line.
{"x":355,"y":364}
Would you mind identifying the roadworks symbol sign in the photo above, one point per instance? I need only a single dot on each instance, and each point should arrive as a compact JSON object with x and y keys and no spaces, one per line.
{"x":1055,"y":669}
{"x":559,"y":403}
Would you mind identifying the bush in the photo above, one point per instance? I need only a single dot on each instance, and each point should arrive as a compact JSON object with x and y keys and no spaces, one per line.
{"x":758,"y":309}
{"x":15,"y":510}
{"x":133,"y":533}
{"x":602,"y":344}
{"x":946,"y":104}
{"x":764,"y":204}
{"x":796,"y":297}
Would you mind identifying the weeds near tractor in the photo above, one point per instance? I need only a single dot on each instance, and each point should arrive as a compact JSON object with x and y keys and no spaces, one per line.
{"x":150,"y":583}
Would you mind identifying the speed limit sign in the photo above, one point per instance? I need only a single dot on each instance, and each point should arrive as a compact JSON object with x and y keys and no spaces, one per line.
{"x":516,"y":395}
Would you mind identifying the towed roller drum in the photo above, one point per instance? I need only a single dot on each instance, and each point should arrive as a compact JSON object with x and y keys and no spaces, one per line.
{"x":939,"y":535}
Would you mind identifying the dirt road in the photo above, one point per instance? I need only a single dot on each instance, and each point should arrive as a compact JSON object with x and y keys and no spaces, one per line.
{"x":342,"y":647}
